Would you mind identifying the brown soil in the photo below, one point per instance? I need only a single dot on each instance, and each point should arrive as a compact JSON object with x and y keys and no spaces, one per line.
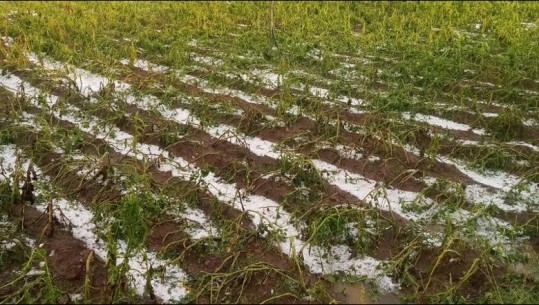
{"x":164,"y":234}
{"x":438,"y":269}
{"x":234,"y":163}
{"x":66,"y":255}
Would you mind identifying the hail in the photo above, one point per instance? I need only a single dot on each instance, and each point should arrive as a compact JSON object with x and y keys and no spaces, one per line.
{"x":263,"y":211}
{"x":320,"y":167}
{"x":369,"y":191}
{"x":169,"y":287}
{"x":87,"y":167}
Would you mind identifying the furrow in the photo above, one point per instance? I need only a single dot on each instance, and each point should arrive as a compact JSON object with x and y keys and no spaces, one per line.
{"x":263,"y":211}
{"x":378,"y":196}
{"x":492,"y":195}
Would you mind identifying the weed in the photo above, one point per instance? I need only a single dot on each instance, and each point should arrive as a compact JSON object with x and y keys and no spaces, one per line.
{"x":507,"y":125}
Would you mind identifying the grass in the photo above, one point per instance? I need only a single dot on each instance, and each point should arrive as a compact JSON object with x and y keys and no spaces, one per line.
{"x":360,"y":229}
{"x":43,"y":282}
{"x":507,"y":125}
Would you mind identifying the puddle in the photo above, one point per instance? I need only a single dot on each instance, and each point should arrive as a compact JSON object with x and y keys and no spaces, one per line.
{"x":359,"y":293}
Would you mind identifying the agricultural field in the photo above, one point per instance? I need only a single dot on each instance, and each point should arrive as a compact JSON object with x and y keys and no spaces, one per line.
{"x":178,"y":152}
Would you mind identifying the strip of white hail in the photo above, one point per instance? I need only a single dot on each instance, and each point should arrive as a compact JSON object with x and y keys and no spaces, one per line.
{"x":199,"y":227}
{"x":358,"y":185}
{"x":265,"y":148}
{"x":343,"y":178}
{"x":263,"y":210}
{"x":502,"y":184}
{"x":440,"y":122}
{"x":169,"y":287}
{"x":364,"y":188}
{"x":476,"y":193}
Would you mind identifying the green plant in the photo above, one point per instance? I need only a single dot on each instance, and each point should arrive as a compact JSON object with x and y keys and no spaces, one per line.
{"x":507,"y":125}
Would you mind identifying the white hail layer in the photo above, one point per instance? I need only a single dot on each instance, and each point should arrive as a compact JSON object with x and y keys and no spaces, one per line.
{"x":440,"y":122}
{"x":359,"y":186}
{"x":500,"y":185}
{"x":342,"y":180}
{"x":147,"y":66}
{"x":494,"y":197}
{"x":199,"y":227}
{"x":475,"y":193}
{"x":263,"y":210}
{"x":169,"y":287}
